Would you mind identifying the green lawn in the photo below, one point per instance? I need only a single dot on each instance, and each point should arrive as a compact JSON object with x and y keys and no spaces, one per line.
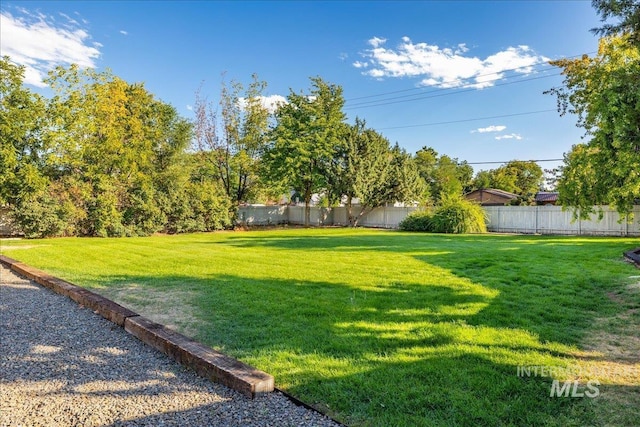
{"x":386,"y":328}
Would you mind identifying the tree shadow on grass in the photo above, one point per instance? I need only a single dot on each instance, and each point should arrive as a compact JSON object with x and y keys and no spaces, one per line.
{"x":557,"y":297}
{"x":409,"y":354}
{"x":552,"y":286}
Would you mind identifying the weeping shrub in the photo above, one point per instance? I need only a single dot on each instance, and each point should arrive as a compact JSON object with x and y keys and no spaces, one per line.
{"x":452,"y":215}
{"x":457,"y":215}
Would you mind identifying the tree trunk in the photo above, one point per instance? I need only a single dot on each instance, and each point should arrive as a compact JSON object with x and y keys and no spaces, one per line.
{"x":307,"y":208}
{"x":350,"y":212}
{"x":365,"y":210}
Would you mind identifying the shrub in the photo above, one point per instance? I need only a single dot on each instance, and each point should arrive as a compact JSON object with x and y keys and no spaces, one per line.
{"x":458,"y":215}
{"x":452,"y":215}
{"x":43,"y":215}
{"x":417,"y":221}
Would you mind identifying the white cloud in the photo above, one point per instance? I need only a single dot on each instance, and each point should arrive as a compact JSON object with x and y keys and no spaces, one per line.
{"x":376,"y":41}
{"x":492,"y":128}
{"x":509,"y":136}
{"x":445,"y":67}
{"x":270,"y":102}
{"x":41,"y":42}
{"x":343,"y":56}
{"x":124,"y":33}
{"x":189,"y":107}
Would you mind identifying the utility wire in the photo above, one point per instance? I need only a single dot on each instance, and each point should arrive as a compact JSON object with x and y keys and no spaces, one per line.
{"x":468,"y":120}
{"x":495,"y":163}
{"x":459,"y":80}
{"x":468,"y":85}
{"x":451,"y":92}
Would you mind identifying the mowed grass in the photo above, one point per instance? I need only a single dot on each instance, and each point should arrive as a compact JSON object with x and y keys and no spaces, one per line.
{"x":383,"y":328}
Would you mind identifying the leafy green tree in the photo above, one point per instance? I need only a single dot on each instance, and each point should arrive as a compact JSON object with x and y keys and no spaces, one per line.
{"x":307,"y":131}
{"x":407,"y":185}
{"x":442,"y":175}
{"x":604,"y":92}
{"x":426,"y":160}
{"x":234,"y":143}
{"x":102,"y":157}
{"x":367,"y":171}
{"x":117,"y":139}
{"x":628,"y":14}
{"x":23,"y":154}
{"x":465,"y":175}
{"x":483,"y":180}
{"x":524,"y":178}
{"x":527,"y":178}
{"x":446,"y":178}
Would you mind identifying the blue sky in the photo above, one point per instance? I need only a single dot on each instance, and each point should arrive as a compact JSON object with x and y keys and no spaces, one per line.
{"x":478,"y":69}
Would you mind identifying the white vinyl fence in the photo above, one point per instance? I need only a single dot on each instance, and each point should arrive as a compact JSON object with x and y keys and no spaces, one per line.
{"x":503,"y":219}
{"x":553,"y":220}
{"x":388,"y":217}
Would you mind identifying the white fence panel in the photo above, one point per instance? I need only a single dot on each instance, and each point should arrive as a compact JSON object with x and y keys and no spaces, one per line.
{"x":386,"y":217}
{"x":553,"y":220}
{"x":340,"y":216}
{"x":503,"y":219}
{"x":263,"y":215}
{"x":511,"y":219}
{"x":609,"y":225}
{"x":296,"y":214}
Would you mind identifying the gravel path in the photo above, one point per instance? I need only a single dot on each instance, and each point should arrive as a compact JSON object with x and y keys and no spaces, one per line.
{"x":62,"y":365}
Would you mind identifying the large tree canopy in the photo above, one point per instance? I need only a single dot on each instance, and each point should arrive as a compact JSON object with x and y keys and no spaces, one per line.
{"x":102,"y":157}
{"x":233,"y":144}
{"x":443,"y":175}
{"x":604,"y":92}
{"x":307,"y":132}
{"x":628,"y":14}
{"x":21,"y":145}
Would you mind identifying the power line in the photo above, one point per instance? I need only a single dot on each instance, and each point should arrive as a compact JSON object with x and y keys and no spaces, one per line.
{"x":468,"y":120}
{"x":461,"y":80}
{"x":469,"y":85}
{"x":495,"y":163}
{"x":383,"y":103}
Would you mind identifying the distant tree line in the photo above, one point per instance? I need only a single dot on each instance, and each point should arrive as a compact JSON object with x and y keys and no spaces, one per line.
{"x":104,"y":157}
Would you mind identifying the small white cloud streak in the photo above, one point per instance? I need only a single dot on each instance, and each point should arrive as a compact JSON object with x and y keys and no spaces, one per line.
{"x":444,"y":67}
{"x":41,"y":43}
{"x":271,"y":102}
{"x":124,"y":33}
{"x":492,"y":128}
{"x":376,"y":41}
{"x":189,"y":107}
{"x":509,"y":136}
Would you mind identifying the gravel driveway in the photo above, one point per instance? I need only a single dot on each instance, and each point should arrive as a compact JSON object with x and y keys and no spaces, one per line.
{"x":63,"y":365}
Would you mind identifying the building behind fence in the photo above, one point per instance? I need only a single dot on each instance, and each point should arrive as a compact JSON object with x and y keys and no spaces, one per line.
{"x":503,"y":219}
